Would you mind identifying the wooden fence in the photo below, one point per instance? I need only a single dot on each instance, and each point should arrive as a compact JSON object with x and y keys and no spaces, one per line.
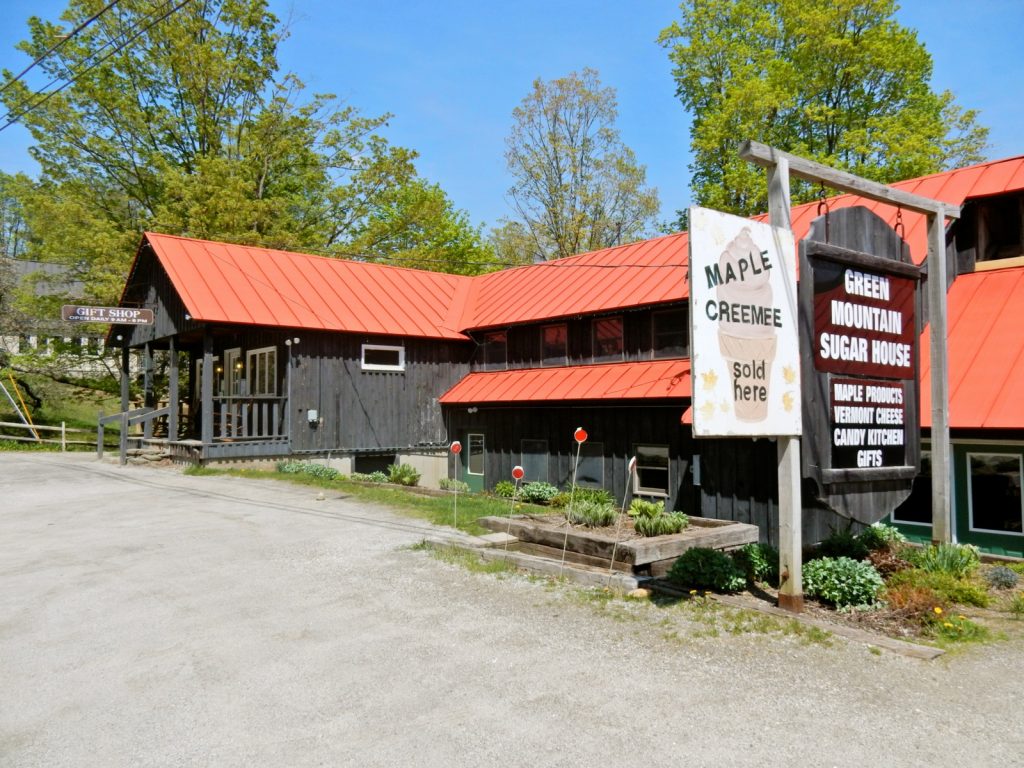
{"x":36,"y":432}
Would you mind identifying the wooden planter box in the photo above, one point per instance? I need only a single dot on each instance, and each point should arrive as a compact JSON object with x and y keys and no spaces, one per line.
{"x":651,"y":556}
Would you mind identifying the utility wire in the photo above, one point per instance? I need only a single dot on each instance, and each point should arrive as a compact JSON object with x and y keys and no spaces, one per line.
{"x":56,"y":46}
{"x":12,"y":119}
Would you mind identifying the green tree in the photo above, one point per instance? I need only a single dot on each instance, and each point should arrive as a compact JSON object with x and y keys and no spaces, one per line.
{"x":416,"y":225}
{"x":189,"y":128}
{"x":838,"y":81}
{"x":576,"y":187}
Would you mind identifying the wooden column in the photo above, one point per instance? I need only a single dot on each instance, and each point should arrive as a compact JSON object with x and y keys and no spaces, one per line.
{"x":206,"y":396}
{"x":941,"y":466}
{"x":125,"y":377}
{"x":172,"y":392}
{"x":148,"y":396}
{"x":791,"y":588}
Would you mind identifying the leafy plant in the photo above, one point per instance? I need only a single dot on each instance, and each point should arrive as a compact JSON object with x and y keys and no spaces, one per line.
{"x":538,"y":492}
{"x":843,"y":543}
{"x":660,"y":524}
{"x":957,"y":560}
{"x":880,"y":537}
{"x":310,"y":468}
{"x":1017,"y":606}
{"x":403,"y":474}
{"x":450,"y":484}
{"x":373,"y":477}
{"x":644,"y":508}
{"x":948,"y":587}
{"x":842,"y":581}
{"x":888,"y":561}
{"x":760,"y":562}
{"x":582,"y":494}
{"x":707,"y":568}
{"x":955,"y":628}
{"x":505,"y":489}
{"x":593,"y":514}
{"x":913,"y":602}
{"x":1001,"y":577}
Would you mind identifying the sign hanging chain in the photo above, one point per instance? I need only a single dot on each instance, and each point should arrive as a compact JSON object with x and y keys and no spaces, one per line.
{"x":898,"y":226}
{"x":823,"y":206}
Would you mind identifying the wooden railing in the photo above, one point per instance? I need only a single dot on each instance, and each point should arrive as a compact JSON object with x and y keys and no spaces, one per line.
{"x":128,"y":419}
{"x":248,"y":418}
{"x":38,"y":430}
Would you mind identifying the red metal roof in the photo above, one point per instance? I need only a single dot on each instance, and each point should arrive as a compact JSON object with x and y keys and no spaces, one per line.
{"x":613,"y":381}
{"x":637,"y":274}
{"x":221,"y":282}
{"x":227,"y":283}
{"x":985,"y":352}
{"x":954,"y":187}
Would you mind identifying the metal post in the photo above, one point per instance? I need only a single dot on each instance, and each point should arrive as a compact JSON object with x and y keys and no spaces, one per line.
{"x":791,"y":590}
{"x":941,"y":523}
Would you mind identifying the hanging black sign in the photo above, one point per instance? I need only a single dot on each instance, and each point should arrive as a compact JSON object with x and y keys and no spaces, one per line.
{"x":860,"y":322}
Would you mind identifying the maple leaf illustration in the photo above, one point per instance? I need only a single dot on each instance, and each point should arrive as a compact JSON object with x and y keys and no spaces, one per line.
{"x":710,"y":379}
{"x":708,"y":409}
{"x":788,"y":401}
{"x":789,"y":374}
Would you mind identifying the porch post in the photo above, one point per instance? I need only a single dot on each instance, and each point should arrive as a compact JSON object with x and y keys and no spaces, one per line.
{"x":172,"y":392}
{"x":148,"y":398}
{"x":125,"y":377}
{"x":791,"y":589}
{"x":206,"y":396}
{"x":941,"y":467}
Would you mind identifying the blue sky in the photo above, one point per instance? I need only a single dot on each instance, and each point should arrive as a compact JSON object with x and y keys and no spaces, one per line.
{"x":451,"y":72}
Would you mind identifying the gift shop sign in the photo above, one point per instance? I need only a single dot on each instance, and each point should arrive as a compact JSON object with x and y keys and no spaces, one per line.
{"x":743,"y":327}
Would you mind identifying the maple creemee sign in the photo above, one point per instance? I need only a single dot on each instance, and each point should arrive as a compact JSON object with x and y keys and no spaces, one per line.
{"x":743,"y":327}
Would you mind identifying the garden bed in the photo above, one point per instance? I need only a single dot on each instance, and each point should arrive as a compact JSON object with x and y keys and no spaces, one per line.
{"x":545,"y":535}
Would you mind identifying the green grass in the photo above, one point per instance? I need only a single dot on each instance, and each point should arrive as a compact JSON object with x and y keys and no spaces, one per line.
{"x":74,"y":405}
{"x":438,"y":510}
{"x":465,"y":558}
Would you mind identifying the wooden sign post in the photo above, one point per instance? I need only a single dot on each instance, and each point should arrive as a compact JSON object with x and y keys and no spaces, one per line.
{"x":780,"y":166}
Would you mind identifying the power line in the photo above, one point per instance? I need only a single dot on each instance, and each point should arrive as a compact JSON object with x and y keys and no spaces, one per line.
{"x":56,"y":46}
{"x":75,"y":76}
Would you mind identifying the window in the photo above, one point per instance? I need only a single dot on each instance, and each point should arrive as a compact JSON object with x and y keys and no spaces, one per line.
{"x":651,"y":475}
{"x":670,"y":333}
{"x":534,"y":461}
{"x":607,"y":332}
{"x":496,"y":349}
{"x":553,"y":344}
{"x":475,"y":462}
{"x":233,"y":374}
{"x":590,"y":472}
{"x":917,"y":509}
{"x":262,"y":365}
{"x":994,"y":491}
{"x":377,"y":357}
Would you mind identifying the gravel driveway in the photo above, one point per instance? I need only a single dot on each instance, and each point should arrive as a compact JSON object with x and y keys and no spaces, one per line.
{"x":151,"y":618}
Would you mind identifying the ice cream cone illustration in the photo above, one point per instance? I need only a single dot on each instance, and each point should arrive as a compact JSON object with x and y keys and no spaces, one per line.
{"x":746,"y":334}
